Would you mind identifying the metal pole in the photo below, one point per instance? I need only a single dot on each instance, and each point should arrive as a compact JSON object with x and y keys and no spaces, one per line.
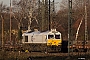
{"x":10,"y":20}
{"x":53,"y":7}
{"x":43,"y":15}
{"x":2,"y":32}
{"x":86,"y":35}
{"x":39,"y":14}
{"x":49,"y":16}
{"x":69,"y":26}
{"x":46,"y":14}
{"x":53,"y":15}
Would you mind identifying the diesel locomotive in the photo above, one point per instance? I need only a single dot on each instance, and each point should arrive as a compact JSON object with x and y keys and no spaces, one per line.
{"x":42,"y":41}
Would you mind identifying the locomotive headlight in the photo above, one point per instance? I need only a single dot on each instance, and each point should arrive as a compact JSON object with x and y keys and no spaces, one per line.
{"x":54,"y":42}
{"x":59,"y":43}
{"x":49,"y":43}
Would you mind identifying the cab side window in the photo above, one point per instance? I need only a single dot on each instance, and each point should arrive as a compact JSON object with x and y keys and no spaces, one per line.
{"x":26,"y":38}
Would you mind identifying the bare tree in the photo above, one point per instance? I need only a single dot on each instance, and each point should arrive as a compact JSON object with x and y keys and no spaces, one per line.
{"x":27,"y":10}
{"x":2,"y":7}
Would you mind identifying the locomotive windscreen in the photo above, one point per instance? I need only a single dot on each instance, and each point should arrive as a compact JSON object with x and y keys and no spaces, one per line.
{"x":57,"y":36}
{"x":50,"y":36}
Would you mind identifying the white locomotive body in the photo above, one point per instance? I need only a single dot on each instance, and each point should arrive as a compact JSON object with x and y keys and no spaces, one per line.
{"x":34,"y":37}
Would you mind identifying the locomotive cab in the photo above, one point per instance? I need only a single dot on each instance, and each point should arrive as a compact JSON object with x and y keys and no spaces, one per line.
{"x":54,"y":39}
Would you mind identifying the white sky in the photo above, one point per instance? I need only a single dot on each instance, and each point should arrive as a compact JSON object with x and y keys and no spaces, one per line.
{"x":7,"y":2}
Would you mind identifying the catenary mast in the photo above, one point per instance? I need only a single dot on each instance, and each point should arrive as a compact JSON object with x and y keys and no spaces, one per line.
{"x":2,"y":32}
{"x":70,"y":41}
{"x":86,"y":35}
{"x":10,"y":21}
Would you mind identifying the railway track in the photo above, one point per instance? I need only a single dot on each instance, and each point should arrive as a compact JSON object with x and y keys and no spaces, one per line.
{"x":40,"y":55}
